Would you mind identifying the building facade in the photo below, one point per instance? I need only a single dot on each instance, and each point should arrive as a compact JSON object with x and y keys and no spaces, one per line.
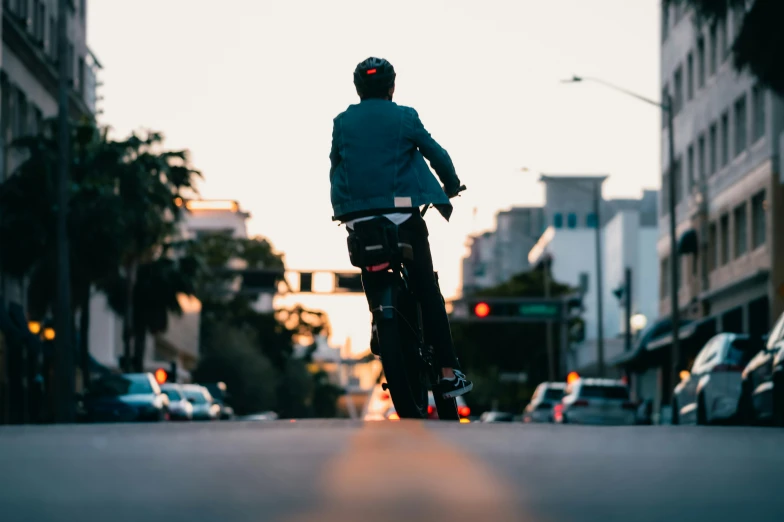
{"x":728,"y":136}
{"x":628,"y":239}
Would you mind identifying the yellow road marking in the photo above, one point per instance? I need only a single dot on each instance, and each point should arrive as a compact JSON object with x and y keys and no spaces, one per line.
{"x":402,"y":472}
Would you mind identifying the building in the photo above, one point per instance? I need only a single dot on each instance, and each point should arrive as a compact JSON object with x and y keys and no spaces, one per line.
{"x":479,"y":269}
{"x":516,"y":232}
{"x":29,"y":81}
{"x":628,"y":238}
{"x":29,"y":78}
{"x":728,"y":135}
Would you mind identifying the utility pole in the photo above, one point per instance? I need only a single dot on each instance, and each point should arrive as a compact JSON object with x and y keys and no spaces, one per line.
{"x":548,"y":325}
{"x":599,"y":283}
{"x":628,"y":314}
{"x":65,"y":411}
{"x":674,"y":260}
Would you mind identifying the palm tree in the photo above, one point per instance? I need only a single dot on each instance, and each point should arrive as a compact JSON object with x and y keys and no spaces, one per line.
{"x":29,"y":214}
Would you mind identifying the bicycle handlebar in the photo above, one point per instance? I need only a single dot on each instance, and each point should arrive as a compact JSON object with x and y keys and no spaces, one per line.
{"x":460,"y":189}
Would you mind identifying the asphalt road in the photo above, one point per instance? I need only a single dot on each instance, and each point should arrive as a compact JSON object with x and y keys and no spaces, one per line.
{"x":342,"y":470}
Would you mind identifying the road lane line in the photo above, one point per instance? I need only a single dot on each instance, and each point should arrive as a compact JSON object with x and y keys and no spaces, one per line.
{"x":403,"y":471}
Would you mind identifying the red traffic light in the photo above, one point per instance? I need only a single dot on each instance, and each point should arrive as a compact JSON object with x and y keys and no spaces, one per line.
{"x":161,"y":376}
{"x":482,"y":309}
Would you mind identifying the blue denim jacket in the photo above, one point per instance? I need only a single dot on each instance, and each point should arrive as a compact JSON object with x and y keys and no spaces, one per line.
{"x":378,"y":162}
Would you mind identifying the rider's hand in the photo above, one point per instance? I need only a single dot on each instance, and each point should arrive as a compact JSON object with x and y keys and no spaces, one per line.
{"x":453,"y":191}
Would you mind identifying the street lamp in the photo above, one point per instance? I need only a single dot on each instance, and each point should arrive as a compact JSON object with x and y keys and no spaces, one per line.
{"x":667,"y":107}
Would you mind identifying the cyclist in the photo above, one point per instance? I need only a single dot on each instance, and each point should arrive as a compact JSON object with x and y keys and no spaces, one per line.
{"x":378,"y":168}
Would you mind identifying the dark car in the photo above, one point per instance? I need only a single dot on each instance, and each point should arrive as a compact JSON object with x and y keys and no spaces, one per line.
{"x":546,"y":395}
{"x":762,"y":389}
{"x":219,"y":396}
{"x":125,"y":398}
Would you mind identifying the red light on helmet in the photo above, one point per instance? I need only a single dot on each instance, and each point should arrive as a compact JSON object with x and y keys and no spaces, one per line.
{"x":372,"y":71}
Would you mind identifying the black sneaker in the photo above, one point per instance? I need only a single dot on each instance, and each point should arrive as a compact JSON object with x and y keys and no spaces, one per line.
{"x":451,"y":388}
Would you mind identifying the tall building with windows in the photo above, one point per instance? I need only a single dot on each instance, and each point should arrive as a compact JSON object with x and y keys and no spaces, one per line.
{"x":729,"y":135}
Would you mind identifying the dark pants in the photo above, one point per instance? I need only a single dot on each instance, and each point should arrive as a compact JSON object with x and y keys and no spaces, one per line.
{"x":425,"y":286}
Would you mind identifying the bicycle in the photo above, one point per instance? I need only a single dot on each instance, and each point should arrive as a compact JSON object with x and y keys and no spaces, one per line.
{"x":407,"y":357}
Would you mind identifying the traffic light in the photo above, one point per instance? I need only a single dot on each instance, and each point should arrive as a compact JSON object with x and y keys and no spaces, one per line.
{"x":161,"y":376}
{"x":348,"y":282}
{"x":481,"y":309}
{"x":516,"y":309}
{"x":306,"y":282}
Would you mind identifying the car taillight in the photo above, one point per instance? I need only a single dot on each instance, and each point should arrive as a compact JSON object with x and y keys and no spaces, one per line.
{"x":558,"y":411}
{"x":581,"y":403}
{"x":464,"y":411}
{"x":430,"y":410}
{"x":629,"y":406}
{"x":727,"y":368}
{"x":384,"y":396}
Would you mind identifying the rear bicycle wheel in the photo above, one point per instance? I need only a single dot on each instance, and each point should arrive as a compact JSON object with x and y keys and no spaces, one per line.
{"x":403,"y":365}
{"x":447,"y":408}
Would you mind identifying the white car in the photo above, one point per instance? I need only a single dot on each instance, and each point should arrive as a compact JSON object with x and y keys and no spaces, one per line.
{"x":710,"y":392}
{"x":596,"y":401}
{"x":546,"y":395}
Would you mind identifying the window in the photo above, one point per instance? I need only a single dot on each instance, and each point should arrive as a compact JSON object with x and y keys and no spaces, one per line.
{"x":665,"y":97}
{"x":712,"y":247}
{"x":53,"y":38}
{"x":590,"y":220}
{"x":738,"y":14}
{"x":690,"y":77}
{"x":701,"y":158}
{"x":740,"y":125}
{"x":713,"y":149}
{"x":758,"y":220}
{"x":713,"y":49}
{"x":758,"y":101}
{"x":678,"y":181}
{"x":725,"y":139}
{"x":741,"y":231}
{"x":701,"y":63}
{"x":665,"y":21}
{"x":677,"y":95}
{"x":80,"y":73}
{"x":665,"y":194}
{"x":724,"y":40}
{"x":724,"y":241}
{"x":558,"y":220}
{"x":690,"y":166}
{"x":571,"y":220}
{"x":664,"y":277}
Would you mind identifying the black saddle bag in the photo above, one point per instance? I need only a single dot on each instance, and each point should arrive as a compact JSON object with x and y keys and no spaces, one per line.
{"x":375,"y":242}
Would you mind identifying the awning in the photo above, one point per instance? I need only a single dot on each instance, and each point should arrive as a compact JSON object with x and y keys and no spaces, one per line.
{"x":687,"y":244}
{"x":701,"y":329}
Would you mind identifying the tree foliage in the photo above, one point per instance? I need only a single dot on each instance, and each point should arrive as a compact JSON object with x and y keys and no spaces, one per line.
{"x":757,"y":47}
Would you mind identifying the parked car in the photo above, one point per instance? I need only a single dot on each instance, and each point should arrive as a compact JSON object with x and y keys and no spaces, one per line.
{"x":496,"y":416}
{"x":711,"y":390}
{"x":220,"y":395}
{"x":546,"y":395}
{"x":125,"y":398}
{"x":179,"y":407}
{"x":203,"y":406}
{"x":596,"y":401}
{"x":762,"y":389}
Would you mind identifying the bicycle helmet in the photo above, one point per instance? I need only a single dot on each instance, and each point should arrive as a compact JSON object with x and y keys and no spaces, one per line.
{"x":374,"y":77}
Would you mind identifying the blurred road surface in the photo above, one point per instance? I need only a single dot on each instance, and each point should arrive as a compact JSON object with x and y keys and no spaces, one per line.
{"x":410,"y":471}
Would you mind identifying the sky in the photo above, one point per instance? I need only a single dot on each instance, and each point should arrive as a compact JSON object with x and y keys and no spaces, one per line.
{"x":250,"y":87}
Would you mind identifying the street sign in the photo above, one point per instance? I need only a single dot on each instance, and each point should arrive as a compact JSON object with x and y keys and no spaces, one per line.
{"x":521,"y":377}
{"x":541,"y":310}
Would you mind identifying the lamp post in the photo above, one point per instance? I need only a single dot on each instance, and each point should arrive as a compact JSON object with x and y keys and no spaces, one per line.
{"x":667,"y":107}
